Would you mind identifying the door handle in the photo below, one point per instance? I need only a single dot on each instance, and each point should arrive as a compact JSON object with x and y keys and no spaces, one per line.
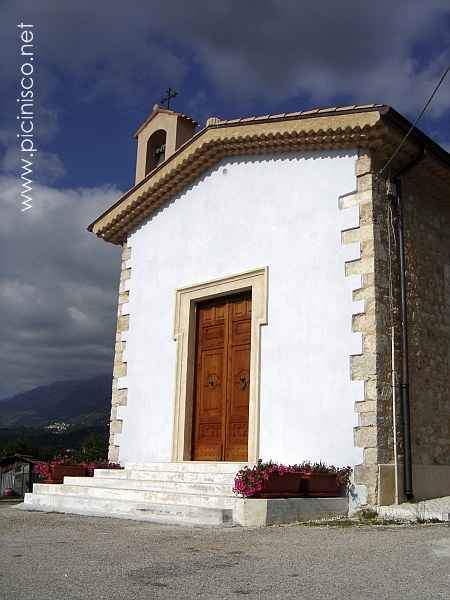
{"x":243,"y":381}
{"x":212,"y":380}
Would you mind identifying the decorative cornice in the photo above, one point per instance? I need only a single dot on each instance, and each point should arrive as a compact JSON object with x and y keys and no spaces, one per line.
{"x":349,"y":127}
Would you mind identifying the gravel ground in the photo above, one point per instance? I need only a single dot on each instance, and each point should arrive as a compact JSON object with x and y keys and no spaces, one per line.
{"x":63,"y":557}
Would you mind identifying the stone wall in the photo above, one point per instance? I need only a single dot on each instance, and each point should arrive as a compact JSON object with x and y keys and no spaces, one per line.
{"x":387,"y":319}
{"x":119,"y":393}
{"x":427,"y":241}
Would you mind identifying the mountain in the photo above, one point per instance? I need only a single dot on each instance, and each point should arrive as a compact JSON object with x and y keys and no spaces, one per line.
{"x":80,"y":402}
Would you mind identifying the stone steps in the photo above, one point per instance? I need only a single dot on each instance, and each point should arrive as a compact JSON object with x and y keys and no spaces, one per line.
{"x":188,"y":466}
{"x":190,"y":493}
{"x":175,"y":476}
{"x":136,"y":495}
{"x":137,"y":511}
{"x":181,"y":487}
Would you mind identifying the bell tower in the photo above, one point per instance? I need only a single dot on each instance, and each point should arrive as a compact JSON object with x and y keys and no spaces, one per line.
{"x":159,"y":137}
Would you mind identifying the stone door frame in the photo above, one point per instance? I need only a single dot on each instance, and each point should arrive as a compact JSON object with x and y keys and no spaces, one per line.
{"x":186,"y":299}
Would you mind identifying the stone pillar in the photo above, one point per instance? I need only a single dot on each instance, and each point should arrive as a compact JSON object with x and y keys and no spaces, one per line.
{"x":365,"y":366}
{"x":119,"y":393}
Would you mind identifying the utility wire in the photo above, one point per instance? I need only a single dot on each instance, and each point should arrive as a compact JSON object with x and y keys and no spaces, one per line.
{"x":419,"y":116}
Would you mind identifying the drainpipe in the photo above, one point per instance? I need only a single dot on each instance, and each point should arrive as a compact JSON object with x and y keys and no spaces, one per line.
{"x":404,"y":372}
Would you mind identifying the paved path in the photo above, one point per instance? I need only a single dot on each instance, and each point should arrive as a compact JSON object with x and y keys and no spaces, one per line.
{"x":61,"y":557}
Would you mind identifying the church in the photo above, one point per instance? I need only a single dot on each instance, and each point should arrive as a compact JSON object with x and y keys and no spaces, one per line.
{"x":284,"y":295}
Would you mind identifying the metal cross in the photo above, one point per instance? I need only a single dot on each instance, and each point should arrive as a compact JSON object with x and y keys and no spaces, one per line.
{"x":170,"y":93}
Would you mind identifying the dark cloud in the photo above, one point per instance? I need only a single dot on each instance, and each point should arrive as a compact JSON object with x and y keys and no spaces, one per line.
{"x":58,"y":287}
{"x":280,"y":49}
{"x":106,"y":46}
{"x":272,"y":49}
{"x":58,"y":291}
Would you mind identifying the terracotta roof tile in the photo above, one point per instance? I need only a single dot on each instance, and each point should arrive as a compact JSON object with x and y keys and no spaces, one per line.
{"x":312,"y":111}
{"x":367,"y":105}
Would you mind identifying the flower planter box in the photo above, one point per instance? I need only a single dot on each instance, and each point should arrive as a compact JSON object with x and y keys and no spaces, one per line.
{"x":288,"y":485}
{"x":310,"y":480}
{"x":59,"y":471}
{"x":322,"y":485}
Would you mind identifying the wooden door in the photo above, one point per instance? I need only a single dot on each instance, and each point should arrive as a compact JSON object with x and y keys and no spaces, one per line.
{"x":222,"y":379}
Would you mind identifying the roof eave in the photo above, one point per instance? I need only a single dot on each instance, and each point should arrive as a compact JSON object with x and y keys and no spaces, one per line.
{"x":256,"y":136}
{"x":394,"y":118}
{"x":335,"y":132}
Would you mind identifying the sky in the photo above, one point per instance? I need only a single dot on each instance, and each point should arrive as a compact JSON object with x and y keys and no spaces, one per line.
{"x":99,"y":67}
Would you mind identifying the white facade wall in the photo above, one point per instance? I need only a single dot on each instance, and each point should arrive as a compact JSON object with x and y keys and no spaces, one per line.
{"x":279,"y":211}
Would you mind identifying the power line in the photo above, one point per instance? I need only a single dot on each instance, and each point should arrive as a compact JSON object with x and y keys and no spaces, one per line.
{"x":419,"y":116}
